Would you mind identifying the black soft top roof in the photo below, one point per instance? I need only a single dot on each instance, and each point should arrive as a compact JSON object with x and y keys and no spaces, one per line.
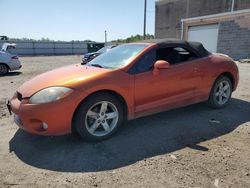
{"x":194,"y":46}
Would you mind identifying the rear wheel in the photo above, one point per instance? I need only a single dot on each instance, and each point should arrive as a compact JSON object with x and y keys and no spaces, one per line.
{"x":99,"y":117}
{"x":3,"y":69}
{"x":220,"y":93}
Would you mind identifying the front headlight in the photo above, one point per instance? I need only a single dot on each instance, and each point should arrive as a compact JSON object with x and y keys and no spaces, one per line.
{"x":49,"y":94}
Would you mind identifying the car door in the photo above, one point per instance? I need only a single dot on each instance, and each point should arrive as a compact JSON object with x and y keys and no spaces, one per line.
{"x":173,"y":87}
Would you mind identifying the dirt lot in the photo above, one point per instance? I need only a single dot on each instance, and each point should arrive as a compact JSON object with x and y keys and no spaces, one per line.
{"x":178,"y":148}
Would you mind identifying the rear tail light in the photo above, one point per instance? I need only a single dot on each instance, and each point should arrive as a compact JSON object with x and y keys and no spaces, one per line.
{"x":14,"y":57}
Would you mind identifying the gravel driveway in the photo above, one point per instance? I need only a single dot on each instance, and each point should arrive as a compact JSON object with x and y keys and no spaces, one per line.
{"x":193,"y":146}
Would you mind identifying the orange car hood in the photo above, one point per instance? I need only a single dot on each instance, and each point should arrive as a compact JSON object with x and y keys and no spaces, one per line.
{"x":64,"y":76}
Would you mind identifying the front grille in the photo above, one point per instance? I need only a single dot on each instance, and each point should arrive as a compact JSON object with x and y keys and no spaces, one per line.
{"x":19,"y":96}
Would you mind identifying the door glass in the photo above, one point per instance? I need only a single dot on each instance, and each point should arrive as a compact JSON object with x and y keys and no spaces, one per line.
{"x":175,"y":55}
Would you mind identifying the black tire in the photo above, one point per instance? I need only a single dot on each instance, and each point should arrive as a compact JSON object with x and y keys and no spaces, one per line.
{"x":79,"y":121}
{"x":213,"y":100}
{"x":4,"y":69}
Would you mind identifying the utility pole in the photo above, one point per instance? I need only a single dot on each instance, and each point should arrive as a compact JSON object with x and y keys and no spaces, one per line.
{"x":105,"y":33}
{"x":145,"y":19}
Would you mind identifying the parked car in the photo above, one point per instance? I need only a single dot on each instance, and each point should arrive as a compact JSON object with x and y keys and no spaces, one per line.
{"x":89,"y":56}
{"x":8,"y":61}
{"x":130,"y":81}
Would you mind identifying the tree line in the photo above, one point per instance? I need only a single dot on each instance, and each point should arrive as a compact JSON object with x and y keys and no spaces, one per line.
{"x":132,"y":38}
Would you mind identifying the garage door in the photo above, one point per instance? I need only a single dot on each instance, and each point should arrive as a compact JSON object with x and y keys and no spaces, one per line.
{"x":206,"y":34}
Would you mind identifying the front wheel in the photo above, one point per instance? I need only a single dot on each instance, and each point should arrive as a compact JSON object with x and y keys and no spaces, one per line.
{"x":220,"y":93}
{"x":99,"y":117}
{"x":3,"y":69}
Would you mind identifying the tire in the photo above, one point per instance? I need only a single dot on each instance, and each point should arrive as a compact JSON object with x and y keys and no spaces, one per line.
{"x":99,"y":117}
{"x":221,"y":92}
{"x":4,"y":69}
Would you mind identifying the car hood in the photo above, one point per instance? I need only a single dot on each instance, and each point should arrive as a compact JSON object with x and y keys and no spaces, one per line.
{"x":68,"y":76}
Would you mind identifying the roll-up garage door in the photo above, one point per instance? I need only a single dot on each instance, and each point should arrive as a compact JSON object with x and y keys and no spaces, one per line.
{"x":206,"y":34}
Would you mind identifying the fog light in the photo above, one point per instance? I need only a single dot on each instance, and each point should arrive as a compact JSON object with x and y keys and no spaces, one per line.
{"x":45,"y":126}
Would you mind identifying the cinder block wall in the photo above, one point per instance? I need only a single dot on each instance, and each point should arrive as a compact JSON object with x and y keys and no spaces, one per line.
{"x":234,"y":37}
{"x":234,"y":30}
{"x":168,"y":13}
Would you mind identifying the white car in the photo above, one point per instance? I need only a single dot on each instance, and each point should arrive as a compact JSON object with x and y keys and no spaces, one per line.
{"x":8,"y":61}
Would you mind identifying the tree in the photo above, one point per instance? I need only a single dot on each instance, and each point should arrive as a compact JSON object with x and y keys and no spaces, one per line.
{"x":133,"y":38}
{"x":45,"y":39}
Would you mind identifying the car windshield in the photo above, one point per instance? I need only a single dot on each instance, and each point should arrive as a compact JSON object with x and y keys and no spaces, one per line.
{"x":104,"y":49}
{"x":118,"y":57}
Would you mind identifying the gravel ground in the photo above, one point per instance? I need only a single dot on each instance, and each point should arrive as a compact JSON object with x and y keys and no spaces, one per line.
{"x":193,"y":146}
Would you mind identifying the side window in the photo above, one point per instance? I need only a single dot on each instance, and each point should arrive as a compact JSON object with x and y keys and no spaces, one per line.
{"x":146,"y":63}
{"x":175,"y":55}
{"x":185,"y":55}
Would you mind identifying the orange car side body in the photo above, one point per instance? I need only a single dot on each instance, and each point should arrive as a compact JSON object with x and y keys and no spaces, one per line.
{"x":144,"y":93}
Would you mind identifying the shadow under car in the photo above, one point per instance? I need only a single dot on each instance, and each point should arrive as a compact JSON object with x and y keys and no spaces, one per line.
{"x":138,"y":139}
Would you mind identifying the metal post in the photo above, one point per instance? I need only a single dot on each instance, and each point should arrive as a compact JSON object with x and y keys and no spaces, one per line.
{"x":145,"y":19}
{"x":182,"y":29}
{"x":54,"y":48}
{"x":33,"y":48}
{"x":105,"y":33}
{"x":232,"y":8}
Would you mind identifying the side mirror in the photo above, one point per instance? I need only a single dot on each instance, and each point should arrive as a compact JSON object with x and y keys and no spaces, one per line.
{"x":160,"y":64}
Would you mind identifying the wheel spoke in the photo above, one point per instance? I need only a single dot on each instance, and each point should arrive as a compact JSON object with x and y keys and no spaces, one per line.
{"x":112,"y":115}
{"x":217,"y":94}
{"x":104,"y":107}
{"x":221,"y":85}
{"x":220,"y":99}
{"x":105,"y":125}
{"x":225,"y":88}
{"x":225,"y":95}
{"x":92,"y":114}
{"x":94,"y":127}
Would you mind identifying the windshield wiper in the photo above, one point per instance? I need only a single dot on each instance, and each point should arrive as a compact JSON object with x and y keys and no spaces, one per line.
{"x":96,"y":65}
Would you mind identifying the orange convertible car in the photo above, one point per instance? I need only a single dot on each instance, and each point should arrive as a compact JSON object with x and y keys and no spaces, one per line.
{"x":129,"y":81}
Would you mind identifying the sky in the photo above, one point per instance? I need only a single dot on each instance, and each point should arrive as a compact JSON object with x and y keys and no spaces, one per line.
{"x":75,"y":19}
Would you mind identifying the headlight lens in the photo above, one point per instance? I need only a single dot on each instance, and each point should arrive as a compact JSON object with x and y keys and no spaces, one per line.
{"x":49,"y":95}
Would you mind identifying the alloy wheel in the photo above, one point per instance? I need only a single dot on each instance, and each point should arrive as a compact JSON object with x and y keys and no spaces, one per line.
{"x":222,"y":92}
{"x":101,"y":118}
{"x":3,"y":69}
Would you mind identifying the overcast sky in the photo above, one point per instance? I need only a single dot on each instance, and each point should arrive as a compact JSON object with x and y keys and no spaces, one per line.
{"x":74,"y":19}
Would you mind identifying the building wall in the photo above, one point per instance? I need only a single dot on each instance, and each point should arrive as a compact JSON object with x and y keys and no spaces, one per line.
{"x":170,"y":12}
{"x":234,"y":37}
{"x":167,"y":18}
{"x":241,"y":4}
{"x":234,"y":28}
{"x":234,"y":32}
